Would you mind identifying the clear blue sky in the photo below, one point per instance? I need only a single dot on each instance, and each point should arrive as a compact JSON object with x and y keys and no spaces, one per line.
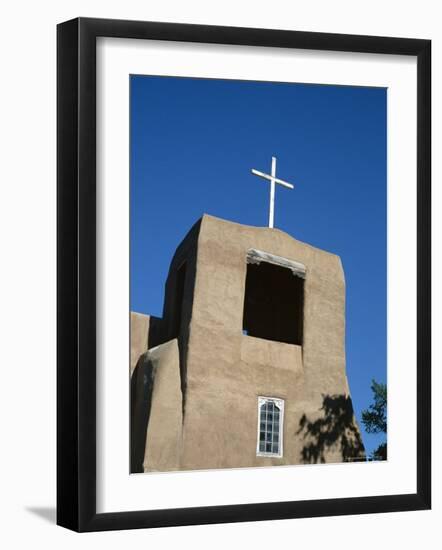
{"x":193,"y":143}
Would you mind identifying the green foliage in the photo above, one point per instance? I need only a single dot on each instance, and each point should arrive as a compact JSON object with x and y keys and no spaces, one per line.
{"x":375,"y":417}
{"x":380,"y":453}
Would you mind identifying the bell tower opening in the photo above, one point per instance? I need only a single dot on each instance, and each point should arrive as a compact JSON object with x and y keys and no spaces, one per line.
{"x":274,"y":298}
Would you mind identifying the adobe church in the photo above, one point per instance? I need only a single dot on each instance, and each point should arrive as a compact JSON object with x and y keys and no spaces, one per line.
{"x":246,"y":368}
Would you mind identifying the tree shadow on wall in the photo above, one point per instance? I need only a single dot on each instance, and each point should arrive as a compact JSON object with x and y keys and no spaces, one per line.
{"x":335,"y":430}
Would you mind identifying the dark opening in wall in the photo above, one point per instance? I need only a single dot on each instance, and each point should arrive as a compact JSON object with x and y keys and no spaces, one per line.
{"x":273,"y":303}
{"x":178,"y":302}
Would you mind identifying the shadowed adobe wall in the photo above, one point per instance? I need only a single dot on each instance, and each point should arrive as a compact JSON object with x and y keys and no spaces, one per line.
{"x":223,"y":371}
{"x":146,"y":331}
{"x":139,"y":330}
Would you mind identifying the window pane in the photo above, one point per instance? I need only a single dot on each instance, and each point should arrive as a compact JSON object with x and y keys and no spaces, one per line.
{"x":269,"y":427}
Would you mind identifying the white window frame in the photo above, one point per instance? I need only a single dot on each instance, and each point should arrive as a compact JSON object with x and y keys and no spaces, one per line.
{"x":280,"y":404}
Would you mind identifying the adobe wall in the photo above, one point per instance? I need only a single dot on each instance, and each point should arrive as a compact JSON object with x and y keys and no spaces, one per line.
{"x":139,"y":330}
{"x":227,"y":371}
{"x":222,"y":371}
{"x":164,"y":431}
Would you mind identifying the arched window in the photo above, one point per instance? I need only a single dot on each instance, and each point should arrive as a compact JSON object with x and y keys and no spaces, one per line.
{"x":270,"y":426}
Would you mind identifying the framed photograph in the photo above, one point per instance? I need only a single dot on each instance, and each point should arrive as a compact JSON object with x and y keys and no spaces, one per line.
{"x":243,"y":274}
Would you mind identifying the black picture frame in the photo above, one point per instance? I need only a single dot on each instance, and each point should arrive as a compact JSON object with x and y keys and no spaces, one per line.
{"x":76,"y":274}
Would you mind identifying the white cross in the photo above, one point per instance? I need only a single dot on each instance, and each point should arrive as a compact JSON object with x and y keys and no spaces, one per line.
{"x":273,"y":179}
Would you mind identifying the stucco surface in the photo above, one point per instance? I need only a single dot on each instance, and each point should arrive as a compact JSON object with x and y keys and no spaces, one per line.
{"x":223,"y":371}
{"x":139,"y":330}
{"x":164,"y":431}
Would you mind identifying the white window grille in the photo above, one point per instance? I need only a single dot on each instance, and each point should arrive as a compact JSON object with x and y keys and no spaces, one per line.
{"x":270,"y":427}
